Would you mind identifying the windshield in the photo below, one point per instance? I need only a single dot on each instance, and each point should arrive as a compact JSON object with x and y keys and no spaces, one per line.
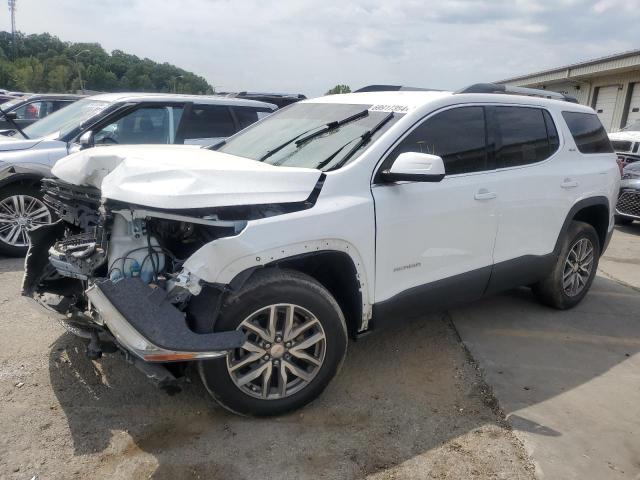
{"x":632,"y":127}
{"x":272,"y":140}
{"x":67,"y":119}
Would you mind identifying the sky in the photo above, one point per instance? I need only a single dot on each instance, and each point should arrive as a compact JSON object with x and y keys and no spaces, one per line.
{"x":299,"y":46}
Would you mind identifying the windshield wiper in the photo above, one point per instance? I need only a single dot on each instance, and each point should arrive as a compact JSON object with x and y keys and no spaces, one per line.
{"x":362,"y":140}
{"x":313,"y":133}
{"x":331,"y":126}
{"x":15,"y":125}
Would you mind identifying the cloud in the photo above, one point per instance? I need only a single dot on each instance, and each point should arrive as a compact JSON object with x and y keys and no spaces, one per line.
{"x":308,"y":46}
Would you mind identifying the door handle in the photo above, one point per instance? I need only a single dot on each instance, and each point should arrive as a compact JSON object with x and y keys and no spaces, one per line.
{"x":568,"y":183}
{"x":484,"y":194}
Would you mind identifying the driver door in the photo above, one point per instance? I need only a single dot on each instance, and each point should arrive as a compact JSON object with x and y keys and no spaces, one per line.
{"x":434,"y":241}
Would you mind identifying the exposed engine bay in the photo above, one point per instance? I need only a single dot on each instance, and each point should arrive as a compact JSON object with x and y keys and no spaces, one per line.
{"x":100,"y":253}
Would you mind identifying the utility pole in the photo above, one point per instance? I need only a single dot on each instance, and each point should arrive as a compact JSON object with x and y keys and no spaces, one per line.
{"x":12,"y":12}
{"x":78,"y":67}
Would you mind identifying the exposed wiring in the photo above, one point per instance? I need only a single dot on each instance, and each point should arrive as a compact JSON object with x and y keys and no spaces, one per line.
{"x":153,"y":262}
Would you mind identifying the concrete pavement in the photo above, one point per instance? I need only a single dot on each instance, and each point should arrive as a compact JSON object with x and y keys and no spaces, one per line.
{"x":621,"y":261}
{"x":568,"y":382}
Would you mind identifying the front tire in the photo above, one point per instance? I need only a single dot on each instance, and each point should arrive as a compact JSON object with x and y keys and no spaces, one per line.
{"x":21,"y":208}
{"x":575,"y":268}
{"x":296,"y":341}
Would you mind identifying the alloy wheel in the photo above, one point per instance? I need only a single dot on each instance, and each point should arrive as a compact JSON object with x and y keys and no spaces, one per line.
{"x":18,"y":214}
{"x":577,"y":267}
{"x":284,"y":350}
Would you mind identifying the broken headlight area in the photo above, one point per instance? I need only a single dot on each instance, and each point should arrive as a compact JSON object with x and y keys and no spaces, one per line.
{"x":119,"y":271}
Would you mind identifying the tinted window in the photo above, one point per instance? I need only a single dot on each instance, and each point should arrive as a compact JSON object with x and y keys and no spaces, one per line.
{"x":248,"y":115}
{"x":209,"y":121}
{"x":457,"y":135}
{"x":151,"y":125}
{"x":588,"y":133}
{"x":521,"y":136}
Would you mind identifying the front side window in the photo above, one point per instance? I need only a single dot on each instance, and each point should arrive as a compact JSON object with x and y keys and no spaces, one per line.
{"x":34,"y":110}
{"x":524,"y":136}
{"x":457,"y":135}
{"x":325,"y":136}
{"x":588,"y":132}
{"x":151,"y":125}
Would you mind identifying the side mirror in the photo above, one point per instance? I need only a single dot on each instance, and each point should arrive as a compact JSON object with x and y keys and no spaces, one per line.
{"x":12,"y":115}
{"x":415,"y":167}
{"x":86,"y":140}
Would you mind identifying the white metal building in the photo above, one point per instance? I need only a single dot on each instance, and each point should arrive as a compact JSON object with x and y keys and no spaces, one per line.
{"x":610,"y":85}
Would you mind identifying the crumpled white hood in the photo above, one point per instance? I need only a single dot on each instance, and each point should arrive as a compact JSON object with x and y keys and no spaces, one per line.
{"x":178,"y":177}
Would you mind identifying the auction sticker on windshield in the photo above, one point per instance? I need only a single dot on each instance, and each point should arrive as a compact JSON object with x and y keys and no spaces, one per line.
{"x":390,"y":108}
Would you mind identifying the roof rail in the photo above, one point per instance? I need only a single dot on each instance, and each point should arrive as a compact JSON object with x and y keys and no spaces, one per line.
{"x":393,"y":88}
{"x":505,"y":89}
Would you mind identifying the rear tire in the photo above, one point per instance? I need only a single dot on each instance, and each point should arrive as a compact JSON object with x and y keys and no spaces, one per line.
{"x":575,"y":268}
{"x":290,"y":359}
{"x":21,"y":207}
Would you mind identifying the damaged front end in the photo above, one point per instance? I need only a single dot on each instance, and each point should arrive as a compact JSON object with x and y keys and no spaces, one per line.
{"x":113,"y":272}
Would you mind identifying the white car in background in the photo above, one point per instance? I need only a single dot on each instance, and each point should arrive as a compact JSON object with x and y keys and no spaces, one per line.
{"x":107,"y":119}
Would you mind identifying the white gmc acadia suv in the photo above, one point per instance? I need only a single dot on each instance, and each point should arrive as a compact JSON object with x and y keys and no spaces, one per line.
{"x":255,"y":260}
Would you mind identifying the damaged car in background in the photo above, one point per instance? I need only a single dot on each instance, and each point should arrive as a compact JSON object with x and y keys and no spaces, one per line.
{"x":255,"y":260}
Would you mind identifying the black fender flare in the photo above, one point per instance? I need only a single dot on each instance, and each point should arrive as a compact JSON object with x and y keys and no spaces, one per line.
{"x":579,"y":205}
{"x":12,"y":174}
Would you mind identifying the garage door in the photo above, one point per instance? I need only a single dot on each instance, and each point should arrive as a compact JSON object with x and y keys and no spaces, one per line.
{"x":634,"y":105}
{"x":606,"y":105}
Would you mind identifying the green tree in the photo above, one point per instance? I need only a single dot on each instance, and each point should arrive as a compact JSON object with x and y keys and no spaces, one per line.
{"x":59,"y":78}
{"x":339,"y":89}
{"x":44,"y":63}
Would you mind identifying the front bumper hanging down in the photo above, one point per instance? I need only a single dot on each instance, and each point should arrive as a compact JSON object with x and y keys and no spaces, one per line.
{"x":150,"y":327}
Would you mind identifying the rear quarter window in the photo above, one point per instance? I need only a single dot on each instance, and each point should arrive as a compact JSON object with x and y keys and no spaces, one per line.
{"x":588,"y":133}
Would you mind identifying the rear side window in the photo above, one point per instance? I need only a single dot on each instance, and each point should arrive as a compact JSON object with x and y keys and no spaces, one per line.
{"x":457,"y":135}
{"x":248,"y":115}
{"x":524,"y":136}
{"x":209,"y":121}
{"x":588,"y":133}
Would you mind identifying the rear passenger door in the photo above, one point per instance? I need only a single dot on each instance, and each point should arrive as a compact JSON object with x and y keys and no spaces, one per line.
{"x":530,"y":174}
